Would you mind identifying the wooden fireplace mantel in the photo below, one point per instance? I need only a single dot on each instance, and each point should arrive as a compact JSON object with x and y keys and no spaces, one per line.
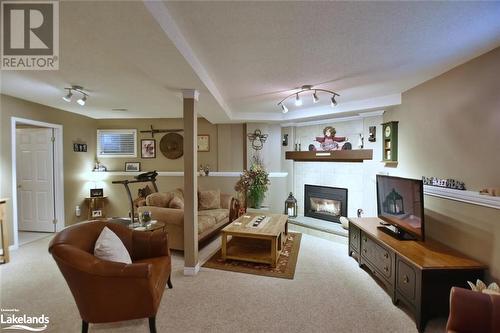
{"x":356,"y":155}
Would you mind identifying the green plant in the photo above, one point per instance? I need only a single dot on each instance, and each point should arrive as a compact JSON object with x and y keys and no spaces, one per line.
{"x":254,"y":182}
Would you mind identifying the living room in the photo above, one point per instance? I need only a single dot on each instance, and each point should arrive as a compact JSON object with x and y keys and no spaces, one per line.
{"x":202,"y":89}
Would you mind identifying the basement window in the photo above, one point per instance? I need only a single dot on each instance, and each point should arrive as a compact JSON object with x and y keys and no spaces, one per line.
{"x":117,"y":143}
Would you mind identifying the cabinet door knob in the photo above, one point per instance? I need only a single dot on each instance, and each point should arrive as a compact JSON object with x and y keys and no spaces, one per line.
{"x":365,"y":239}
{"x":354,"y":237}
{"x":386,"y":255}
{"x":406,"y":279}
{"x":364,"y":250}
{"x":386,"y":269}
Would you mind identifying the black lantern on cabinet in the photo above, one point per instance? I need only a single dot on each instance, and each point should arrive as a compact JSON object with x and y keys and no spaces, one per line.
{"x":393,"y":203}
{"x":291,"y":206}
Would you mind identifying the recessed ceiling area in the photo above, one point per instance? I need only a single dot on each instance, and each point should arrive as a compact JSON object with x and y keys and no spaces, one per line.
{"x":134,"y":58}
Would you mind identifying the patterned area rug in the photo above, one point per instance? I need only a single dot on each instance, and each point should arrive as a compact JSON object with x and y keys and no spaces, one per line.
{"x":285,"y":268}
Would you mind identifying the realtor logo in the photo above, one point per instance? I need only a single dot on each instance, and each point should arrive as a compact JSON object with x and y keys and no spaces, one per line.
{"x":30,"y":35}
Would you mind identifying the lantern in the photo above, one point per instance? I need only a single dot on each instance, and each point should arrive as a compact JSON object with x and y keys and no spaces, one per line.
{"x":393,"y":203}
{"x":291,"y":206}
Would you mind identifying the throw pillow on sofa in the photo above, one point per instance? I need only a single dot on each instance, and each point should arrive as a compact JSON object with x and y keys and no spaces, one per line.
{"x":159,"y":199}
{"x":110,"y":247}
{"x":176,"y":203}
{"x":209,"y":200}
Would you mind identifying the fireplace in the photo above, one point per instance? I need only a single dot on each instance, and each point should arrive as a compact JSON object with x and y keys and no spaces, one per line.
{"x":325,"y":203}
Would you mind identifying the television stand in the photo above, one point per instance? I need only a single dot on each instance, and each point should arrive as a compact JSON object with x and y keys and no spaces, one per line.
{"x":395,"y":232}
{"x":416,"y":273}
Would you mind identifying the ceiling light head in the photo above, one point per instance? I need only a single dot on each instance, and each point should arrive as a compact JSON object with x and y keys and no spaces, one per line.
{"x":334,"y":102}
{"x":315,"y":97}
{"x":82,"y":100}
{"x":67,"y":98}
{"x":284,"y":109}
{"x":298,"y":101}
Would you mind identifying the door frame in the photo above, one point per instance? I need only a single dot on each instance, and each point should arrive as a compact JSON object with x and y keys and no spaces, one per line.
{"x":58,"y":173}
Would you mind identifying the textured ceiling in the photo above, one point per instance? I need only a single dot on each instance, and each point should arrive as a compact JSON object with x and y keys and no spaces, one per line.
{"x":257,"y":52}
{"x":119,"y":54}
{"x":249,"y":55}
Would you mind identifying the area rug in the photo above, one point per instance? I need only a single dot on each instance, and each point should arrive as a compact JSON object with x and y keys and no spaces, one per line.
{"x":284,"y":269}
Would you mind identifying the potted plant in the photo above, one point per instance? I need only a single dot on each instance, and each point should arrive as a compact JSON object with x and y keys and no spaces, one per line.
{"x":254,"y":183}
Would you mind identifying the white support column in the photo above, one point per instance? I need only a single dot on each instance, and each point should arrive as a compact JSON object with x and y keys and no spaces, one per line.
{"x":191,"y":264}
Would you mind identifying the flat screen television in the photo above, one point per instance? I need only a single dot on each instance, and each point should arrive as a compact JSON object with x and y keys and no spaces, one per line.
{"x":400,"y":205}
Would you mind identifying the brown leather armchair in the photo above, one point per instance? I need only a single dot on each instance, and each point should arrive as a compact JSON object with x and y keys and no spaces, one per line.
{"x":106,"y":291}
{"x":473,"y":312}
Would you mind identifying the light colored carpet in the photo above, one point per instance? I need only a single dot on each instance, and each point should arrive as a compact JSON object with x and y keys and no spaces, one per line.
{"x":26,"y":237}
{"x":330,"y":293}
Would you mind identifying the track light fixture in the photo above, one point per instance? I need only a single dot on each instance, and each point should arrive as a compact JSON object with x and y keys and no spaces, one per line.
{"x":315,"y":97}
{"x":82,"y":100}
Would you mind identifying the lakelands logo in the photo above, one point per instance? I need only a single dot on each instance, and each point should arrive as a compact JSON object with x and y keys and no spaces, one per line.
{"x":30,"y":35}
{"x":14,"y":320}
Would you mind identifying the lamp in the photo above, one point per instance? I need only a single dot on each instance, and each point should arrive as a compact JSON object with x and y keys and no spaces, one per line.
{"x":291,"y":206}
{"x":306,"y":89}
{"x":82,"y":100}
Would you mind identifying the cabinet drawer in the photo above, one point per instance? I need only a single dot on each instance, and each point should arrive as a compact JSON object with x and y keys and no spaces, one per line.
{"x":378,"y":256}
{"x":354,"y":236}
{"x":406,"y":282}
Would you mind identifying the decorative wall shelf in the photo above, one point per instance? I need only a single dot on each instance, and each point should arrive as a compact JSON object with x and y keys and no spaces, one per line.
{"x":181,"y":174}
{"x":356,"y":155}
{"x":470,"y":197}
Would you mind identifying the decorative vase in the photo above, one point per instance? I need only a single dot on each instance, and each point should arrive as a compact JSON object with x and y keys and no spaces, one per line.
{"x":256,"y":199}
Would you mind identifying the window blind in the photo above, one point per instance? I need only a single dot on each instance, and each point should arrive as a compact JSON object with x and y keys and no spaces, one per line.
{"x":117,"y":143}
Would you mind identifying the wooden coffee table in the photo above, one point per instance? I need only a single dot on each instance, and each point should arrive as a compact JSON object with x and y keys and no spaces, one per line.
{"x":262,"y":244}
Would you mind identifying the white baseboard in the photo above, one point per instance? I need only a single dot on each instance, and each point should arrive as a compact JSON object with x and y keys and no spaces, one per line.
{"x":13,"y":247}
{"x":192,"y":271}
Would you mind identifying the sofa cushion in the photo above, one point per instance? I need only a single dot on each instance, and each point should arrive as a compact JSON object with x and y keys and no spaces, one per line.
{"x":110,"y":247}
{"x":218,"y":214}
{"x":176,"y":203}
{"x":208,"y":199}
{"x":205,"y":222}
{"x":159,"y":199}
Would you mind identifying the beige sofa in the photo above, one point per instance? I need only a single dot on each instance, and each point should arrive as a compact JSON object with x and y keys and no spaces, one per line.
{"x":215,"y":210}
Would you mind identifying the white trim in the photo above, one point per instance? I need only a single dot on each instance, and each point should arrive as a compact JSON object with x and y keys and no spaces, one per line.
{"x":191,"y":94}
{"x":58,"y":170}
{"x":334,"y":120}
{"x":192,"y":271}
{"x":181,"y":174}
{"x":470,"y":197}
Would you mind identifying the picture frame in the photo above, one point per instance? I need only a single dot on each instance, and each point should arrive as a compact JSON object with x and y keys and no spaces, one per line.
{"x":132,"y":166}
{"x":79,"y":147}
{"x":97,"y":213}
{"x":96,"y":192}
{"x":148,"y":148}
{"x":203,"y":143}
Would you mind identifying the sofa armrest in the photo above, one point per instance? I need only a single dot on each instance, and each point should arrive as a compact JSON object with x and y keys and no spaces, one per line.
{"x":470,"y":311}
{"x":165,"y":215}
{"x":149,"y":244}
{"x":225,"y":200}
{"x":82,"y":261}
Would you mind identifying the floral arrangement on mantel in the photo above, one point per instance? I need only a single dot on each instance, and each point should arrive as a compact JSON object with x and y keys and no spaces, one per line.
{"x":253,"y":183}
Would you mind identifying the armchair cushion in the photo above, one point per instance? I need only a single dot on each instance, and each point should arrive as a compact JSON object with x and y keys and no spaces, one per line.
{"x":209,"y":200}
{"x":109,"y":247}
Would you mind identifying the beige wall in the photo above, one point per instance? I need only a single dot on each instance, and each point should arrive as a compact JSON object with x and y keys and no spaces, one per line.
{"x":160,"y":163}
{"x":76,"y":165}
{"x":449,"y":127}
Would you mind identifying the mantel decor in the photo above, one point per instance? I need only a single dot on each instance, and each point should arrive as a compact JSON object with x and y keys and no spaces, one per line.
{"x":357,"y":155}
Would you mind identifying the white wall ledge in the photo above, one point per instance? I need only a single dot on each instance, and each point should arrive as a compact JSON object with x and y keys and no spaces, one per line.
{"x":181,"y":174}
{"x":470,"y":197}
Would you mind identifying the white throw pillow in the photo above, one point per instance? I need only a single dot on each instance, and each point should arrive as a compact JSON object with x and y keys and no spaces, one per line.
{"x":110,"y":247}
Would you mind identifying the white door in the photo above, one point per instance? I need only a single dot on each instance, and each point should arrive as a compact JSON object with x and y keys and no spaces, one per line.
{"x":35,"y":179}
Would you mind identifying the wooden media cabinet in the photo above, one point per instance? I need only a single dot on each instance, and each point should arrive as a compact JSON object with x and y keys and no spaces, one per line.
{"x":416,"y":273}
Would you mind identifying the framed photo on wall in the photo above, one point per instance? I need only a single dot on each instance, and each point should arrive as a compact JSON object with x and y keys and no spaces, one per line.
{"x":148,"y":148}
{"x":203,"y":142}
{"x":132,"y":166}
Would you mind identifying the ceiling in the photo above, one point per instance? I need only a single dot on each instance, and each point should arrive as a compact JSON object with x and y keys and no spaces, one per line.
{"x":244,"y":57}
